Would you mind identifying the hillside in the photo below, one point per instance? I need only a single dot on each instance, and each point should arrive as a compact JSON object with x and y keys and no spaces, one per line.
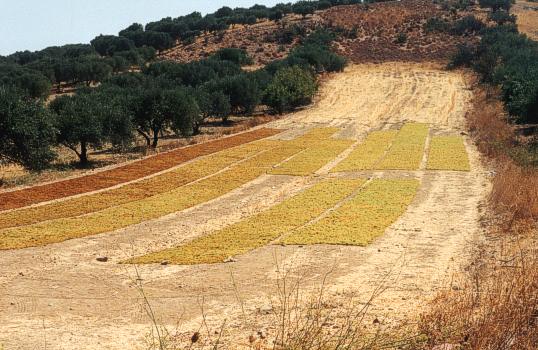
{"x":370,"y":34}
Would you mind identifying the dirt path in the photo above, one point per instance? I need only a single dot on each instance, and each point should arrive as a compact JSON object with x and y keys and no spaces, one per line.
{"x":61,"y":296}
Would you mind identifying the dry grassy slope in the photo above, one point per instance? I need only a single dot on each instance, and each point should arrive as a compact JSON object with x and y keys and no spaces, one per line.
{"x":257,"y":40}
{"x":378,"y":26}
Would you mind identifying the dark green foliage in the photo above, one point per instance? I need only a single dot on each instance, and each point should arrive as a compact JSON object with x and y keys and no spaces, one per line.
{"x":31,"y":82}
{"x":436,"y":24}
{"x":79,"y":123}
{"x":508,"y":59}
{"x":165,"y":95}
{"x":314,"y":54}
{"x":149,"y":38}
{"x":496,"y":5}
{"x":26,"y":131}
{"x":244,"y":92}
{"x":237,"y":56}
{"x":90,"y":118}
{"x":401,"y":38}
{"x":212,"y":104}
{"x":467,"y":25}
{"x":304,"y":8}
{"x":107,"y":45}
{"x":463,"y":57}
{"x":502,"y":17}
{"x":291,"y":87}
{"x":323,"y":5}
{"x":224,"y":12}
{"x":464,"y":26}
{"x":187,"y":28}
{"x":180,"y":108}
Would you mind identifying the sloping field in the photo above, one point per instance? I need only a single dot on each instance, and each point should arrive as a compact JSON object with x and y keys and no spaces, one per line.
{"x":368,"y":154}
{"x":169,"y":193}
{"x":125,"y":173}
{"x":448,"y":153}
{"x":359,"y":185}
{"x":407,"y":149}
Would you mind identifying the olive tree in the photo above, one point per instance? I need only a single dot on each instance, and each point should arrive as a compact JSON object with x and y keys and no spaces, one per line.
{"x":27,"y":131}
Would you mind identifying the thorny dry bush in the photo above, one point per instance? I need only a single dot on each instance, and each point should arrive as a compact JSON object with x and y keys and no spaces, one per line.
{"x":495,"y":306}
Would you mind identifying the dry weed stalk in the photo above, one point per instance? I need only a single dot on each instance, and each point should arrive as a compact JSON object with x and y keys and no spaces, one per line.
{"x":309,"y":320}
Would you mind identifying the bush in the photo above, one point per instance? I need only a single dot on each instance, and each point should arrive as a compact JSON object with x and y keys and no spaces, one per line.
{"x":107,"y":45}
{"x":467,"y":25}
{"x":237,"y":56}
{"x":436,"y":24}
{"x":496,"y":5}
{"x":508,"y":59}
{"x":401,"y":38}
{"x":291,"y":87}
{"x":463,"y":57}
{"x":502,"y":17}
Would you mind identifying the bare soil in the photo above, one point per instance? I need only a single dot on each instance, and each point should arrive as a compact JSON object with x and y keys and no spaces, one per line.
{"x":61,"y":296}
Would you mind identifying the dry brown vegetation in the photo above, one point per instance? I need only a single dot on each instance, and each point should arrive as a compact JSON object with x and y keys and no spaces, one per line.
{"x":370,"y":34}
{"x":379,"y":25}
{"x":495,"y":305}
{"x":262,"y":40}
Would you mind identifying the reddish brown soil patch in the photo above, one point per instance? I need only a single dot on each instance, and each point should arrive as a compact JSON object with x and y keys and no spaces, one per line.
{"x":125,"y":173}
{"x":379,"y":25}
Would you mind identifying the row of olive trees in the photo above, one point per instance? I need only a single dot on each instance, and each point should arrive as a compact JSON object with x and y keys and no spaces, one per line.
{"x":36,"y":72}
{"x":164,"y":97}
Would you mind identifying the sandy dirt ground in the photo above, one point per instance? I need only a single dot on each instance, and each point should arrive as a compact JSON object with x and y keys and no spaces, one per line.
{"x":527,"y":17}
{"x":60,"y":297}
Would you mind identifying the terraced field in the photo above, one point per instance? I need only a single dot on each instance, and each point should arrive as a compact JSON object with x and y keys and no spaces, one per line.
{"x":377,"y":169}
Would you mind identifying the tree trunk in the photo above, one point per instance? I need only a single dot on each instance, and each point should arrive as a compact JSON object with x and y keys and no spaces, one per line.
{"x":145,"y":136}
{"x":83,"y":153}
{"x":155,"y":138}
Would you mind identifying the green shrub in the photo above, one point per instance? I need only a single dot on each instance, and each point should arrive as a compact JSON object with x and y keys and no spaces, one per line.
{"x":401,"y":38}
{"x":467,"y":25}
{"x":291,"y":87}
{"x":502,"y":17}
{"x":436,"y":24}
{"x":463,"y":57}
